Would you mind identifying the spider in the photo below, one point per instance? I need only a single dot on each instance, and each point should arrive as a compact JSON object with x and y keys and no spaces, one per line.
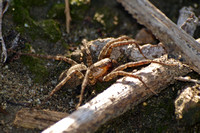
{"x":98,"y":71}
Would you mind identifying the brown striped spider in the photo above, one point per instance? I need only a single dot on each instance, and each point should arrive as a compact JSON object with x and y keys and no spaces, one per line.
{"x":98,"y":71}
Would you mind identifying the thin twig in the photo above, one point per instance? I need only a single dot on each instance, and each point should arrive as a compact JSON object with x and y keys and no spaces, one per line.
{"x":67,"y":15}
{"x":187,"y":79}
{"x":2,"y":11}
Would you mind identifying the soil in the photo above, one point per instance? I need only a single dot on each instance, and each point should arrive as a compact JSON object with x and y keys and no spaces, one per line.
{"x":25,"y":81}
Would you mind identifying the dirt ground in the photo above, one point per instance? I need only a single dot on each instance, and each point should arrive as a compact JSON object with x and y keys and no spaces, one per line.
{"x":25,"y":81}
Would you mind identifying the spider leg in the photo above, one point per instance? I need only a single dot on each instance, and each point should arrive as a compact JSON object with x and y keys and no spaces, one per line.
{"x":58,"y":87}
{"x":122,"y":73}
{"x":79,"y":67}
{"x":63,"y":74}
{"x":84,"y":84}
{"x":88,"y":55}
{"x":139,"y":63}
{"x":58,"y":57}
{"x":104,"y":49}
{"x":122,"y":43}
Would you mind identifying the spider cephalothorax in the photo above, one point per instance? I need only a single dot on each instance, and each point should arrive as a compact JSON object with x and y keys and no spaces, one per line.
{"x":100,"y":70}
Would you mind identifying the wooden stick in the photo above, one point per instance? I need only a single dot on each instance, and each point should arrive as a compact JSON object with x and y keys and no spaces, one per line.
{"x":120,"y":97}
{"x":187,"y":79}
{"x":173,"y":37}
{"x":39,"y":119}
{"x":3,"y":45}
{"x":67,"y":16}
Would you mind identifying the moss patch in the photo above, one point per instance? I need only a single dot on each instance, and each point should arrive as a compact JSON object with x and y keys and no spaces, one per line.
{"x":57,"y":11}
{"x":47,"y":29}
{"x":50,"y":29}
{"x":35,"y":65}
{"x":29,"y":3}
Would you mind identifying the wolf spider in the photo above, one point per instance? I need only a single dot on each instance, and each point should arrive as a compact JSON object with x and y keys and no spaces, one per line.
{"x":98,"y":71}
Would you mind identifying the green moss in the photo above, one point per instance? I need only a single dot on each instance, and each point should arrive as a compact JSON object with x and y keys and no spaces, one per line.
{"x":78,"y":9}
{"x":25,"y":24}
{"x":57,"y":11}
{"x":107,"y":18}
{"x":21,"y":16}
{"x":50,"y":29}
{"x":28,"y":3}
{"x":35,"y":65}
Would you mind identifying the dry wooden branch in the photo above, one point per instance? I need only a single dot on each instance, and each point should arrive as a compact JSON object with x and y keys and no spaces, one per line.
{"x":40,"y":119}
{"x":120,"y":97}
{"x":174,"y":38}
{"x":187,"y":79}
{"x":67,"y":16}
{"x":4,"y":51}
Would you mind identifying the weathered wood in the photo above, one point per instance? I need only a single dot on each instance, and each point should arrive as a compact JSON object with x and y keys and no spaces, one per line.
{"x":67,"y":16}
{"x":129,"y":52}
{"x":173,"y":37}
{"x":37,"y":119}
{"x":187,"y":20}
{"x":120,"y":97}
{"x":3,"y":45}
{"x":187,"y":79}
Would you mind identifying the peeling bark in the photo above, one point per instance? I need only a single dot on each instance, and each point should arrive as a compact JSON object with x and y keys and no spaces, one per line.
{"x":39,"y":119}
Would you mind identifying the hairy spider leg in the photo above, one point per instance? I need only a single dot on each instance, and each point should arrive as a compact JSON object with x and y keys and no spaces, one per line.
{"x":58,"y":87}
{"x":80,"y":67}
{"x":88,"y":55}
{"x":58,"y":57}
{"x":84,"y":84}
{"x":122,"y":43}
{"x":104,"y":49}
{"x":118,"y":71}
{"x":122,"y":73}
{"x":139,"y":63}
